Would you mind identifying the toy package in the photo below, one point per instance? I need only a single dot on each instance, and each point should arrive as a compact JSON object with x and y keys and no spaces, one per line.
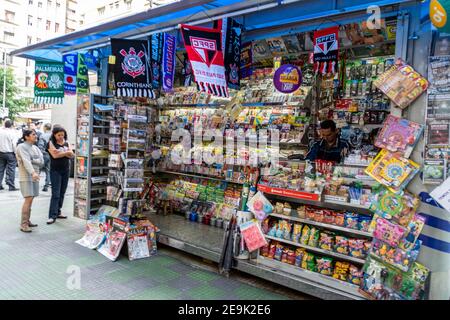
{"x":373,"y":284}
{"x":364,"y":222}
{"x":388,"y":232}
{"x":414,"y":229}
{"x":341,"y":245}
{"x":260,"y":206}
{"x":341,"y":270}
{"x":325,"y":266}
{"x":399,"y":135}
{"x":392,"y":171}
{"x":396,"y":257}
{"x":402,"y":84}
{"x":397,"y":207}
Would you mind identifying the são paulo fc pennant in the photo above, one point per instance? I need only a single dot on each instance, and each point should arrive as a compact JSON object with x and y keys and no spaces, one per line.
{"x":326,"y":50}
{"x":204,"y":49}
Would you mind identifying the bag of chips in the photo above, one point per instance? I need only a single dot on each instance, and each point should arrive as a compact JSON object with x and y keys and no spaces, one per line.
{"x":325,"y":266}
{"x":305,"y":235}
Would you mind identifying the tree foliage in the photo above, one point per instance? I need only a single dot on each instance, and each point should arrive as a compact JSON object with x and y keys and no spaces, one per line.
{"x":14,"y":102}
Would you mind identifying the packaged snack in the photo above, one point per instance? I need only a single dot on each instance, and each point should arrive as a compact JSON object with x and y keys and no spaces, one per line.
{"x":287,"y":230}
{"x":305,"y":235}
{"x":309,"y":262}
{"x":297,"y":232}
{"x":339,"y":219}
{"x":355,"y":275}
{"x":265,"y":226}
{"x":366,"y":248}
{"x":324,"y":266}
{"x":341,"y":245}
{"x":414,"y":229}
{"x":278,"y":252}
{"x":356,"y":248}
{"x":273,"y":230}
{"x":279,"y":208}
{"x":319,"y":216}
{"x":364,"y":222}
{"x":314,"y":237}
{"x":272,"y":250}
{"x":299,"y":256}
{"x":301,"y":212}
{"x":328,"y":217}
{"x":310,"y":213}
{"x":351,"y":220}
{"x":265,"y":251}
{"x":284,"y":255}
{"x":341,"y":270}
{"x":388,"y":232}
{"x":326,"y":241}
{"x":281,"y":227}
{"x":291,"y":257}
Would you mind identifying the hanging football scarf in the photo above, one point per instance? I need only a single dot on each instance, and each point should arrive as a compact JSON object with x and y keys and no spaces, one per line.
{"x":246,"y":60}
{"x":82,"y":76}
{"x":168,"y":63}
{"x":326,"y":50}
{"x":132,"y":75}
{"x":70,"y":73}
{"x":49,"y":82}
{"x":231,"y":44}
{"x":156,"y":45}
{"x":204,"y":48}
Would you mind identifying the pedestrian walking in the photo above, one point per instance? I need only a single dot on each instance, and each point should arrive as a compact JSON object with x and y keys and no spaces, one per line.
{"x":30,"y":160}
{"x":60,"y":153}
{"x":7,"y":155}
{"x":42,"y":145}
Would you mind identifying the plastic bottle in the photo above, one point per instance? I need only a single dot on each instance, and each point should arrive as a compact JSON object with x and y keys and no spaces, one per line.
{"x":244,"y":196}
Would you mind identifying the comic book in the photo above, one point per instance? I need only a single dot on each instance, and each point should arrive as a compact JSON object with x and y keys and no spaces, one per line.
{"x":399,"y":135}
{"x":113,"y":244}
{"x":93,"y":236}
{"x":137,"y":241}
{"x":392,"y":171}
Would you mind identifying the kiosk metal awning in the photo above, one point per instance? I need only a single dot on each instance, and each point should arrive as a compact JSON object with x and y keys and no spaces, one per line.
{"x":258,"y":17}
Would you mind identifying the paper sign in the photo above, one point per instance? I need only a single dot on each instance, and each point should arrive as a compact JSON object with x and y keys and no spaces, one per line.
{"x":442,"y":194}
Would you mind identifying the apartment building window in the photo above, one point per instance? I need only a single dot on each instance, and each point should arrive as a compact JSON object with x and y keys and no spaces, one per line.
{"x":38,"y":40}
{"x":47,"y":25}
{"x":30,"y":2}
{"x":8,"y":36}
{"x":30,"y":20}
{"x":9,"y":16}
{"x":49,"y":3}
{"x":58,"y":4}
{"x":56,"y":27}
{"x":28,"y":62}
{"x":117,"y":4}
{"x":39,"y":23}
{"x":39,"y":4}
{"x":27,"y":81}
{"x":101,"y":11}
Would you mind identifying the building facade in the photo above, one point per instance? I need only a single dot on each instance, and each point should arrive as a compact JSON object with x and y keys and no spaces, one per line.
{"x":26,"y":22}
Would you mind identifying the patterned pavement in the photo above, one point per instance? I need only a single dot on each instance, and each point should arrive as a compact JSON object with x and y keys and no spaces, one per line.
{"x":37,"y":265}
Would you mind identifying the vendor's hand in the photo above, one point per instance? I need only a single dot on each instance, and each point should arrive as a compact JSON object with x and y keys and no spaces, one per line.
{"x":35,"y":176}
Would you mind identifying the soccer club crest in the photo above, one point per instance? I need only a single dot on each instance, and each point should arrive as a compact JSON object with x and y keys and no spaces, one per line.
{"x":132,"y":64}
{"x":205,"y":48}
{"x":326,"y":50}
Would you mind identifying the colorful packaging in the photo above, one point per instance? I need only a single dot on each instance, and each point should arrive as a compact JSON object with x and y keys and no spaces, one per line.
{"x":388,"y":232}
{"x":299,"y":256}
{"x":297,"y":232}
{"x":356,"y":248}
{"x":341,"y":245}
{"x":278,"y":252}
{"x":264,"y":251}
{"x":396,"y":257}
{"x":351,"y":220}
{"x":364,"y":223}
{"x":328,"y":217}
{"x":341,"y":270}
{"x":309,"y":262}
{"x":287,"y":230}
{"x":284,"y":255}
{"x":414,"y":229}
{"x":272,"y":250}
{"x":355,"y":275}
{"x":314,"y":237}
{"x":305,"y":235}
{"x":326,"y":241}
{"x":339,"y":219}
{"x":291,"y":257}
{"x":325,"y":266}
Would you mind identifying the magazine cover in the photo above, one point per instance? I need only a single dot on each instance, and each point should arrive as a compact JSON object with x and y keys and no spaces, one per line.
{"x":438,"y":106}
{"x":399,"y":135}
{"x":402,"y":84}
{"x":83,"y":146}
{"x":151,"y":233}
{"x":115,"y":161}
{"x":93,"y":236}
{"x":438,"y":134}
{"x":113,"y":244}
{"x":439,"y":74}
{"x":137,"y":242}
{"x":253,"y":236}
{"x":434,"y":171}
{"x":392,"y":170}
{"x":108,"y":211}
{"x":82,"y":166}
{"x":277,"y":46}
{"x":292,"y":44}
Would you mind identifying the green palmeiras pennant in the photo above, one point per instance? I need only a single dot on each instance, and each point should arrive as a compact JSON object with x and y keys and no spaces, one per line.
{"x":49,"y":82}
{"x":82,"y":75}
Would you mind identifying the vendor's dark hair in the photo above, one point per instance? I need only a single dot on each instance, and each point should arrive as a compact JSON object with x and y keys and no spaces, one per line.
{"x":328,"y":124}
{"x":58,"y":129}
{"x":26,"y":133}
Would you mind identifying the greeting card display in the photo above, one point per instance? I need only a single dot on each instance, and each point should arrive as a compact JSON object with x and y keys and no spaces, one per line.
{"x":402,"y":84}
{"x":392,"y":170}
{"x":399,"y":135}
{"x":253,"y":236}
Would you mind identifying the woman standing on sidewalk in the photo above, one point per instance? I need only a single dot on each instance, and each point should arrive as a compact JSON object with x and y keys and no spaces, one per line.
{"x":30,"y":160}
{"x":60,"y":153}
